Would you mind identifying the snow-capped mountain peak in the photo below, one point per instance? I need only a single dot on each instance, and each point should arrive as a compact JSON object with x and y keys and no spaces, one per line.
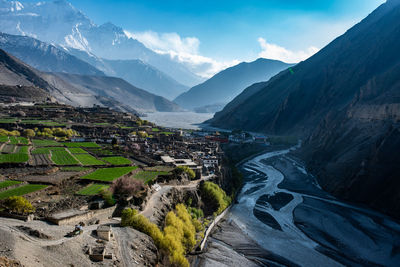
{"x":61,"y":23}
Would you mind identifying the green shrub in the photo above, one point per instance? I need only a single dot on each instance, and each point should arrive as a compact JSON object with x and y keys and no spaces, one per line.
{"x":196,"y":213}
{"x":19,"y":205}
{"x":107,"y":196}
{"x":178,"y":237}
{"x":214,"y":195}
{"x":185,"y":169}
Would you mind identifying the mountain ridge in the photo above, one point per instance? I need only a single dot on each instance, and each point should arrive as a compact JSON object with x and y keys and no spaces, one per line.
{"x":228,"y":83}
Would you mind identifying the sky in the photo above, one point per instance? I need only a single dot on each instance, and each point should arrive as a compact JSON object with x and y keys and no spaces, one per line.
{"x":225,"y":32}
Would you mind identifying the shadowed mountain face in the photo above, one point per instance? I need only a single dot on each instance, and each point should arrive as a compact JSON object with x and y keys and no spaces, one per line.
{"x":19,"y":81}
{"x":227,"y":84}
{"x":43,"y":56}
{"x":345,"y":102}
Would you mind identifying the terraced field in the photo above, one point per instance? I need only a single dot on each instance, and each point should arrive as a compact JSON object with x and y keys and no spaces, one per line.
{"x":88,"y":160}
{"x":14,"y":158}
{"x":46,"y":150}
{"x":82,"y":144}
{"x":21,"y":190}
{"x":92,"y":190}
{"x":41,"y":160}
{"x":77,"y":150}
{"x":22,"y":149}
{"x":45,"y":143}
{"x":8,"y":148}
{"x":8,"y":183}
{"x":109,"y":174}
{"x":18,"y":140}
{"x":148,"y":176}
{"x":3,"y":139}
{"x":74,"y":169}
{"x":117,"y":160}
{"x":62,"y":157}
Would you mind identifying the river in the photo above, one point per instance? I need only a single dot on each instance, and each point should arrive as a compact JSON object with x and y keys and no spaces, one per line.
{"x":283,"y":218}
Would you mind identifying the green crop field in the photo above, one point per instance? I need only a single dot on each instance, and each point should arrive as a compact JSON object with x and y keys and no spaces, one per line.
{"x":22,"y":149}
{"x":108,"y":174}
{"x":147,"y":176}
{"x":18,"y":140}
{"x":14,"y":158}
{"x":81,"y":144}
{"x":155,"y":130}
{"x":21,"y":190}
{"x":88,"y":160}
{"x":22,"y":140}
{"x":10,"y":120}
{"x":13,"y":140}
{"x":117,"y":160}
{"x":92,"y":190}
{"x":8,"y":183}
{"x":101,"y":152}
{"x":46,"y":150}
{"x":74,"y":169}
{"x":77,"y":150}
{"x":167,"y":133}
{"x":3,"y":139}
{"x":62,"y":157}
{"x":43,"y":122}
{"x":40,"y":143}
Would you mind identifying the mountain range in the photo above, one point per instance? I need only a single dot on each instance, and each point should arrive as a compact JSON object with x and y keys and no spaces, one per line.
{"x":50,"y":58}
{"x":227,"y":84}
{"x":60,"y":23}
{"x":19,"y":81}
{"x":344,"y":102}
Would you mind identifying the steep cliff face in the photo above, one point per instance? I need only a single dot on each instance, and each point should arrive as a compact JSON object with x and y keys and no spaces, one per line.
{"x":345,"y":103}
{"x":355,"y":152}
{"x":297,"y":100}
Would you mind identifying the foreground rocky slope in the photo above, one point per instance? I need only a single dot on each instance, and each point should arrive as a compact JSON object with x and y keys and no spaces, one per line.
{"x":350,"y":92}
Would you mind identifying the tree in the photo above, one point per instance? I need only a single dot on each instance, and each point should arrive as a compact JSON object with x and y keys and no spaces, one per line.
{"x":19,"y":205}
{"x":185,"y":169}
{"x":126,"y":186}
{"x":29,"y":133}
{"x":142,"y":134}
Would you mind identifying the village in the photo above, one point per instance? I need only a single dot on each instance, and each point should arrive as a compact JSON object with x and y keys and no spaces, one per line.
{"x":78,"y":168}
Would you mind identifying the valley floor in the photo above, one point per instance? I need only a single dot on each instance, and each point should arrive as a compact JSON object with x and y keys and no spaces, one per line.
{"x":283,"y":218}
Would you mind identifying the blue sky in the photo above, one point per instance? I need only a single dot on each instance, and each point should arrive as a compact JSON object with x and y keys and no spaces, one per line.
{"x":220,"y":33}
{"x":229,"y":30}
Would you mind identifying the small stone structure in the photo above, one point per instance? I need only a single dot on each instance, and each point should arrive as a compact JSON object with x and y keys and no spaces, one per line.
{"x":104,"y":232}
{"x":97,"y":253}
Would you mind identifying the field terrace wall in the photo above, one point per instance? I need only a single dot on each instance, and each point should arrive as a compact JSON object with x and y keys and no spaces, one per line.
{"x":75,"y":216}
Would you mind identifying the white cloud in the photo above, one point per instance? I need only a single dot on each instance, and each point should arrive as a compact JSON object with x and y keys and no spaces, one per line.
{"x":273,"y":51}
{"x":182,"y":49}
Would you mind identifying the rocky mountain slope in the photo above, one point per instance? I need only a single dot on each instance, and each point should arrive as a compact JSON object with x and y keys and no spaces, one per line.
{"x":227,"y":84}
{"x":60,"y":23}
{"x":43,"y":56}
{"x":21,"y":82}
{"x":119,"y":90}
{"x":50,"y":58}
{"x":345,"y":102}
